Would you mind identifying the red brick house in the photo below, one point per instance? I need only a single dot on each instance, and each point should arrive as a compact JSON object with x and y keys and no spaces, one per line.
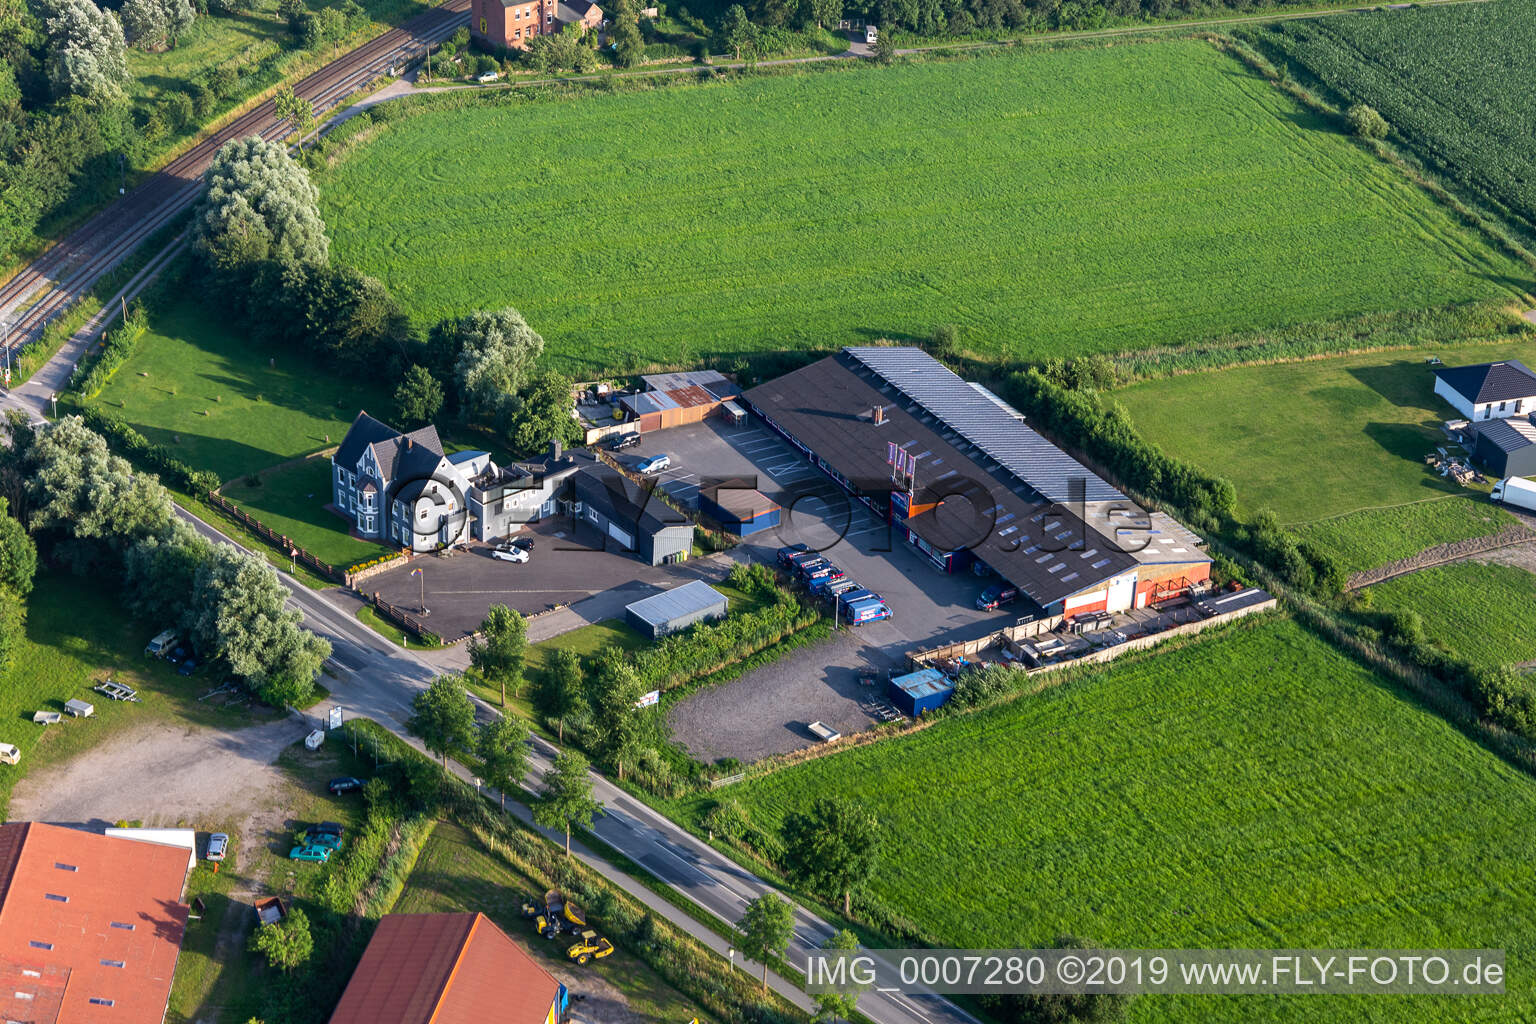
{"x":513,"y":24}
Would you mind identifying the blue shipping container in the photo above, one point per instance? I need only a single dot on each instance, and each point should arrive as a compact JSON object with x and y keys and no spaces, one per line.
{"x":921,"y":691}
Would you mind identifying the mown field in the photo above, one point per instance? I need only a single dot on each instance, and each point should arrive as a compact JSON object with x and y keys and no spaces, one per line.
{"x":1454,"y":82}
{"x":1254,"y":789}
{"x":1046,"y":202}
{"x":202,"y":389}
{"x":1486,"y":613}
{"x":1336,"y":443}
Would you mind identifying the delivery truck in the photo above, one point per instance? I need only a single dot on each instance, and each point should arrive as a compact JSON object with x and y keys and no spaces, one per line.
{"x":1517,"y":492}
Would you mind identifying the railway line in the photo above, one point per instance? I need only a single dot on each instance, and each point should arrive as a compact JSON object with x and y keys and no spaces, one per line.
{"x":63,"y":274}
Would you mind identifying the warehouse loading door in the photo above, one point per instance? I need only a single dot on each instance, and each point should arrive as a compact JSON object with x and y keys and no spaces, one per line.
{"x":1122,"y":592}
{"x":624,"y":537}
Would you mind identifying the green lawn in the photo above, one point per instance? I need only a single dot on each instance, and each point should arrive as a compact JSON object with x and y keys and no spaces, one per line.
{"x":1252,"y":789}
{"x":1482,"y":612}
{"x":77,"y":635}
{"x":1366,"y":540}
{"x":203,"y":390}
{"x":1087,"y":199}
{"x":1335,"y":446}
{"x":455,"y":874}
{"x":291,"y":499}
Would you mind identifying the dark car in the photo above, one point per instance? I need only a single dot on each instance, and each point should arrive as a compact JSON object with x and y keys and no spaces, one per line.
{"x":188,"y":665}
{"x":788,"y":553}
{"x":526,"y":543}
{"x":178,"y":654}
{"x":996,"y":596}
{"x":624,"y":441}
{"x":345,"y":784}
{"x":324,"y":828}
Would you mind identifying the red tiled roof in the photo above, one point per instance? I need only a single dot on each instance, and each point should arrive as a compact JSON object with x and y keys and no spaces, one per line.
{"x":75,"y":905}
{"x":445,"y":969}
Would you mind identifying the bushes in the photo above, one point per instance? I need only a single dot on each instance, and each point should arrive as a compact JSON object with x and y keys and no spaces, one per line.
{"x":116,"y":348}
{"x":710,"y":646}
{"x":1365,"y":122}
{"x":137,"y":448}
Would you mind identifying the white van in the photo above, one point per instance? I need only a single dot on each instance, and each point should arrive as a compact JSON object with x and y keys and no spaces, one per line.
{"x":10,"y":754}
{"x":161,"y":645}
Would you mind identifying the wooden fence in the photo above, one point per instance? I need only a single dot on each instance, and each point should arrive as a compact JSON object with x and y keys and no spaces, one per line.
{"x":404,"y":619}
{"x":283,"y":543}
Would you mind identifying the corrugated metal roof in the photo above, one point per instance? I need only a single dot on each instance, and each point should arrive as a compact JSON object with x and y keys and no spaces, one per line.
{"x":710,"y":380}
{"x":983,"y":422}
{"x":923,"y":683}
{"x":679,"y":602}
{"x":648,"y":402}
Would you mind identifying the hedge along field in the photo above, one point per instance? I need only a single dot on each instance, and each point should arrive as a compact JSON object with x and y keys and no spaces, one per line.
{"x":1481,"y":612}
{"x":1253,"y":789}
{"x":1047,"y":202}
{"x":1454,"y":82}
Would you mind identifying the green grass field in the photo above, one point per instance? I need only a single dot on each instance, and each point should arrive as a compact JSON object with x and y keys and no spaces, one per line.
{"x":1454,"y":82}
{"x":1252,"y":789}
{"x":78,"y":635}
{"x":1482,"y":612}
{"x":205,"y":392}
{"x":291,"y":499}
{"x":1366,"y":540}
{"x":1047,"y":202}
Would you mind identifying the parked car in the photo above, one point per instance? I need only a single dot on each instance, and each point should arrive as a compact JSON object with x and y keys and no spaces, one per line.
{"x":526,"y":543}
{"x":624,"y":441}
{"x":188,"y":665}
{"x":996,"y":596}
{"x":218,"y":846}
{"x":323,"y":839}
{"x":324,"y":828}
{"x":508,"y":553}
{"x":345,"y":784}
{"x":310,"y":852}
{"x":655,"y":464}
{"x":487,"y":76}
{"x":786,"y":554}
{"x":161,"y":644}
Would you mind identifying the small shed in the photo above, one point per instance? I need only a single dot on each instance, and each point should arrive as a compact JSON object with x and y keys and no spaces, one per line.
{"x":733,"y":414}
{"x":924,"y":690}
{"x":185,"y":838}
{"x":1506,"y":447}
{"x":80,"y":708}
{"x":271,"y":910}
{"x":678,"y":608}
{"x":739,"y":507}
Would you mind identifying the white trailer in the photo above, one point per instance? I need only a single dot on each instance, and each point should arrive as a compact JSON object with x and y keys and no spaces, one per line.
{"x":1516,"y":491}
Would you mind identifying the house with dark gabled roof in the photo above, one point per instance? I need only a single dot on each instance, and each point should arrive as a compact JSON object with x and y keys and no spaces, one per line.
{"x":400,"y":488}
{"x":1488,"y":391}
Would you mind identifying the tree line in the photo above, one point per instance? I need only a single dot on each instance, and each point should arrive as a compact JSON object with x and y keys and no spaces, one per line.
{"x":260,"y":246}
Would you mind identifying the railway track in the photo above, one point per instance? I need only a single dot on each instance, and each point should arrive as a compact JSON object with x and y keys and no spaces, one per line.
{"x":58,"y":278}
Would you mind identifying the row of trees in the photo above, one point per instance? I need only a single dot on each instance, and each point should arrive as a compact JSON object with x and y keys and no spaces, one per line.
{"x":94,"y":514}
{"x":259,"y":237}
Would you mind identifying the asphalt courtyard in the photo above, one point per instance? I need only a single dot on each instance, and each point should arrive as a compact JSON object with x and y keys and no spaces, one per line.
{"x":767,"y":710}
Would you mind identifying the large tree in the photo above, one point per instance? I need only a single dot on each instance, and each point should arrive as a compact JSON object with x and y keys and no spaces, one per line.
{"x":624,"y":33}
{"x":566,"y":799}
{"x":156,"y":24}
{"x":832,"y":849}
{"x":544,"y":414}
{"x":764,"y":930}
{"x":241,"y":615}
{"x":159,"y":573}
{"x":418,"y":397}
{"x":496,"y":354}
{"x":18,"y":555}
{"x":286,"y":943}
{"x":559,"y":691}
{"x":78,"y":487}
{"x":87,"y":54}
{"x":502,"y":746}
{"x":616,"y":723}
{"x":260,"y":205}
{"x":498,"y":653}
{"x":444,"y":717}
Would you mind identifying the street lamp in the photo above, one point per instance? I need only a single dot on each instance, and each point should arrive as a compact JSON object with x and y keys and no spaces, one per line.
{"x":54,"y":398}
{"x":6,"y":322}
{"x":730,"y":952}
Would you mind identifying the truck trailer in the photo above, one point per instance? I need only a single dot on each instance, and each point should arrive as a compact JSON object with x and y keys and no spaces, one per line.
{"x":1516,"y":491}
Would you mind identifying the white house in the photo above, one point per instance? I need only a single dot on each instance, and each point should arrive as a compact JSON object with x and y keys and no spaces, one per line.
{"x":1488,"y":391}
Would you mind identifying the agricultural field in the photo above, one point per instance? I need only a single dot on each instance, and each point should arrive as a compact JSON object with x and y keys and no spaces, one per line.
{"x":1336,"y":442}
{"x":1481,"y":612}
{"x":200,"y":388}
{"x":1048,"y":203}
{"x":1454,"y":82}
{"x":1250,"y":789}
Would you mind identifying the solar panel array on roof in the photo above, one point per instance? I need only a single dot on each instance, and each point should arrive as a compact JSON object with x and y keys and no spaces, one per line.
{"x":1014,"y":446}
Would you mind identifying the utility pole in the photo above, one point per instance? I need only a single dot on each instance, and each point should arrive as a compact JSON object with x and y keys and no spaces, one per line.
{"x":5,"y":331}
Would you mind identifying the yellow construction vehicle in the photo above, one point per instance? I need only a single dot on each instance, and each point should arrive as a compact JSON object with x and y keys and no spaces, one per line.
{"x":589,"y":947}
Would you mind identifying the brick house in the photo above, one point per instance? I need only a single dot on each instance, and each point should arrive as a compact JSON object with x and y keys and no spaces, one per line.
{"x":513,"y":24}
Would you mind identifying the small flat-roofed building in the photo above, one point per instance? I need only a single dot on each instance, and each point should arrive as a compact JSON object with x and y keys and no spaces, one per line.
{"x":678,"y":608}
{"x":446,"y":969}
{"x":90,"y":925}
{"x":1506,"y":447}
{"x":739,"y":507}
{"x":677,"y":399}
{"x":925,"y":690}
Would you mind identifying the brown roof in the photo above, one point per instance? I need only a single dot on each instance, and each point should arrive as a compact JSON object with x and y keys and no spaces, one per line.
{"x":445,"y":969}
{"x":73,"y":907}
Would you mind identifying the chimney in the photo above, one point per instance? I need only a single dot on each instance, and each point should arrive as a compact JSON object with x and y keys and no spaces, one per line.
{"x":877,"y":414}
{"x":556,"y":449}
{"x":409,"y":444}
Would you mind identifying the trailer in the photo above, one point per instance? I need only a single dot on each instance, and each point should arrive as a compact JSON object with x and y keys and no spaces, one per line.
{"x":1516,"y":491}
{"x":80,"y":708}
